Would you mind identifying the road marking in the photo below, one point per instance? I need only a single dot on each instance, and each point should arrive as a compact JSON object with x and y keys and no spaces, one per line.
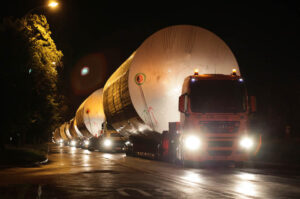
{"x":165,"y":177}
{"x":124,"y":193}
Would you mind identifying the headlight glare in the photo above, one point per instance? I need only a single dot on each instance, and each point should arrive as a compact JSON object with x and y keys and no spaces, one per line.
{"x":192,"y":142}
{"x":73,"y":143}
{"x":107,"y":143}
{"x":86,"y":142}
{"x":246,"y":143}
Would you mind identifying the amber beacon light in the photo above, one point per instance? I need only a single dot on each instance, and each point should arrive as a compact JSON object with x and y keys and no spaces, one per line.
{"x":196,"y":72}
{"x":234,"y":71}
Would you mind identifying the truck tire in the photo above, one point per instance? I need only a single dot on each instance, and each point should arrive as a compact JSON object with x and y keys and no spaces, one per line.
{"x":178,"y":162}
{"x":129,"y":151}
{"x":91,"y":148}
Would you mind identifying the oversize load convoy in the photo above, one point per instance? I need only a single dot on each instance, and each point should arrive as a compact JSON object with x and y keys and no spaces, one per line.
{"x":167,"y":111}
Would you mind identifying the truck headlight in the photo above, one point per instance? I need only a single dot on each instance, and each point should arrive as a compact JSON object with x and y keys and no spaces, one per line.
{"x":86,"y":142}
{"x":246,"y":143}
{"x":73,"y":143}
{"x":192,"y":142}
{"x":107,"y":143}
{"x":127,"y":143}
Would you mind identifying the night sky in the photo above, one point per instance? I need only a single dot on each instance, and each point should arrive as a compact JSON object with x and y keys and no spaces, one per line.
{"x":263,"y":36}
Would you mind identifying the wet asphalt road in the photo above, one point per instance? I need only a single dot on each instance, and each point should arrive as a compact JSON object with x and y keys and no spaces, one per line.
{"x":78,"y":173}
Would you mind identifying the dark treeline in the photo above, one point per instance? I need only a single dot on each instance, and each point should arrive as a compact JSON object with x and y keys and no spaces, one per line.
{"x":29,"y":62}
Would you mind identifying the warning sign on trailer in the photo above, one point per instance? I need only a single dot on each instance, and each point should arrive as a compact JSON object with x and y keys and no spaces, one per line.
{"x":140,"y":78}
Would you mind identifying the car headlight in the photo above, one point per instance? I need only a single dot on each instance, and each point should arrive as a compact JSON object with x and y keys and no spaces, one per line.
{"x":192,"y":142}
{"x":107,"y":143}
{"x":246,"y":143}
{"x":73,"y":143}
{"x":86,"y":142}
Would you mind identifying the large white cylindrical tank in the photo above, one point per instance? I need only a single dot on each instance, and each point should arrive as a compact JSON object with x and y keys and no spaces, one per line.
{"x":142,"y":95}
{"x":67,"y":131}
{"x":63,"y":133}
{"x":80,"y":136}
{"x":90,"y":115}
{"x":72,"y":130}
{"x":56,"y":135}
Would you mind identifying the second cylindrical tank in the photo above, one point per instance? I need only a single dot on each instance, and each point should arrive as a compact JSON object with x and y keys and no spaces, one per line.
{"x":90,"y":115}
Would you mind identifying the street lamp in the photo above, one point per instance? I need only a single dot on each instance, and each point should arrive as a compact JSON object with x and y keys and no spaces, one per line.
{"x":51,"y":4}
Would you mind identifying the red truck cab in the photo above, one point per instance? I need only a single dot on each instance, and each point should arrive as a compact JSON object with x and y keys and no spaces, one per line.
{"x":214,"y":119}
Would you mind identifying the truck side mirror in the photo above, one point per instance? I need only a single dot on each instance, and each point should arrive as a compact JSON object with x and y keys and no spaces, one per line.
{"x":252,"y":104}
{"x":183,"y":99}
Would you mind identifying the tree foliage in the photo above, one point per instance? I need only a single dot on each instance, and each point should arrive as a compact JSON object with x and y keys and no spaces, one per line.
{"x":29,"y":62}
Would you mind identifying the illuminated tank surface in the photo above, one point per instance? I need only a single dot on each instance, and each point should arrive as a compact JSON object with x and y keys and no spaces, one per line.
{"x":142,"y":95}
{"x":79,"y":134}
{"x":62,"y":132}
{"x":72,"y":130}
{"x":90,"y":115}
{"x":67,"y":131}
{"x":56,"y":135}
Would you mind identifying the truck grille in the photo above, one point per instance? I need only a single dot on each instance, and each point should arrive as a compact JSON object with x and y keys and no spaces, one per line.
{"x":220,"y":143}
{"x":219,"y":153}
{"x":220,"y":126}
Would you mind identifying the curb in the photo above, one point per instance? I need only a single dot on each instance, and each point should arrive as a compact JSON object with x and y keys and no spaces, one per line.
{"x":41,"y":162}
{"x":35,"y":164}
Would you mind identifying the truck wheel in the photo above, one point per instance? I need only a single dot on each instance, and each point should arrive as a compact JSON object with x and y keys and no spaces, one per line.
{"x":91,"y":149}
{"x":128,"y":153}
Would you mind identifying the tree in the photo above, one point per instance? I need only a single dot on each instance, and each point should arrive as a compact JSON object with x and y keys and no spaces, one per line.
{"x":29,"y":61}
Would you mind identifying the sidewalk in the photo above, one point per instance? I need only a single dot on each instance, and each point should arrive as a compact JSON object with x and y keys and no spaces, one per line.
{"x":22,"y":157}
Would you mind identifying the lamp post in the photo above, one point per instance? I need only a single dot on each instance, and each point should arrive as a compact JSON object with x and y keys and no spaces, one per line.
{"x":51,"y":4}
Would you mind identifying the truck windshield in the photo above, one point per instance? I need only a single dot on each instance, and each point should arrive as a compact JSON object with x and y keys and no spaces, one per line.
{"x":217,"y":96}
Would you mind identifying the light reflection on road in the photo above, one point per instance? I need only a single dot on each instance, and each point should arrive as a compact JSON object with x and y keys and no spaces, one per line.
{"x":86,"y":159}
{"x":192,"y":176}
{"x":73,"y":150}
{"x":107,"y":155}
{"x":247,"y":176}
{"x":246,"y":184}
{"x":74,"y":171}
{"x":246,"y":188}
{"x":85,"y":151}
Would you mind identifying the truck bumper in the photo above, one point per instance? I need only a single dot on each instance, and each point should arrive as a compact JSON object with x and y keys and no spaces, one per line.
{"x":231,"y":154}
{"x":202,"y":156}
